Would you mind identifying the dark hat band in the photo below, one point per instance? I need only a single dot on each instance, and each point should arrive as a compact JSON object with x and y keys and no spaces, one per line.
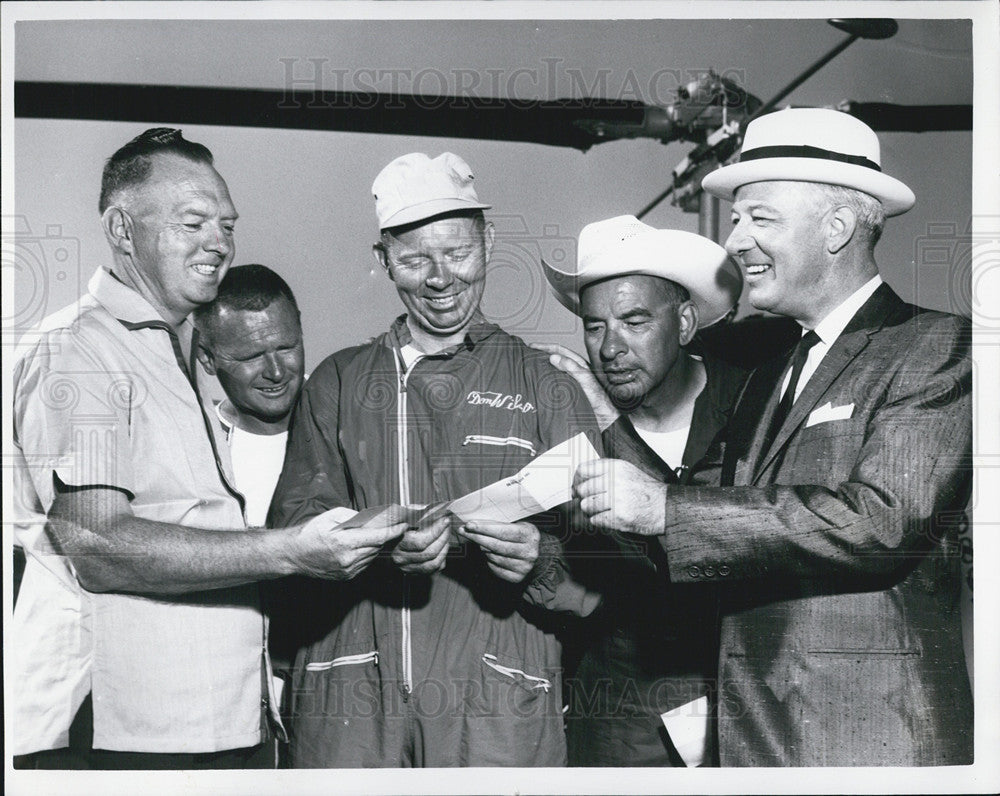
{"x":805,"y":151}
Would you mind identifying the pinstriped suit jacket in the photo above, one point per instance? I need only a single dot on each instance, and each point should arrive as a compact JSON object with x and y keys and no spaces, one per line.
{"x":841,"y":636}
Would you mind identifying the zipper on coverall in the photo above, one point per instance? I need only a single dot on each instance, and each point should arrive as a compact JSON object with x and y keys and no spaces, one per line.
{"x":404,"y":498}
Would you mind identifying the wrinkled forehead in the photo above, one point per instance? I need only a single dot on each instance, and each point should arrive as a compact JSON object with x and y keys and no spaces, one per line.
{"x":775,"y":192}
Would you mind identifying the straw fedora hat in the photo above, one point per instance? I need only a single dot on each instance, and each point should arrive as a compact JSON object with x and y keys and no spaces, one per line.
{"x":812,"y":145}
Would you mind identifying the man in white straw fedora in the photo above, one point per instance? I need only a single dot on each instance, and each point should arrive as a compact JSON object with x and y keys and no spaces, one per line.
{"x":648,"y":657}
{"x":828,"y":522}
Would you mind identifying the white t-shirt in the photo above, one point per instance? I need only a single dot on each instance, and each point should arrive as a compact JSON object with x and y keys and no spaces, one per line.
{"x":688,"y":724}
{"x":257,"y":460}
{"x":668,"y":445}
{"x":410,"y":355}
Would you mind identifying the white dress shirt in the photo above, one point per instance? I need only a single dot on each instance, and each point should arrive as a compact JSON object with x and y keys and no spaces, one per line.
{"x":829,"y":329}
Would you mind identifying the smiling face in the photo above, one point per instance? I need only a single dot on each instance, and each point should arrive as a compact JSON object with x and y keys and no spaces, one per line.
{"x":633,"y":330}
{"x":778,"y":240}
{"x":258,"y":358}
{"x":182,"y":234}
{"x":440,"y":272}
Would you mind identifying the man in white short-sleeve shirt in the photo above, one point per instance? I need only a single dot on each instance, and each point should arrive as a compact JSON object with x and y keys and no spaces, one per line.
{"x":140,"y":594}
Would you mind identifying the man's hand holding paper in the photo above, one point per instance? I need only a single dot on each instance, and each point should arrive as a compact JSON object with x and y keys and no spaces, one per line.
{"x":424,"y":547}
{"x":490,"y":517}
{"x":511,"y":549}
{"x":618,"y":496}
{"x":351,"y":540}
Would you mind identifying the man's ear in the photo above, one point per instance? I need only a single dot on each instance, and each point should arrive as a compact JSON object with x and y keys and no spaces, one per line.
{"x":687,"y":315}
{"x":489,"y":235}
{"x":841,"y":224}
{"x":378,"y":252}
{"x":206,"y":359}
{"x":118,"y":229}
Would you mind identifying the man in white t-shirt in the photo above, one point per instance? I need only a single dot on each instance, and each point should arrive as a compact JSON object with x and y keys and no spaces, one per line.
{"x":647,"y":658}
{"x":251,"y":340}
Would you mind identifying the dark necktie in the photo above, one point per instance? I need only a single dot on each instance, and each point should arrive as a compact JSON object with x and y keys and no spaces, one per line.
{"x":798,"y":361}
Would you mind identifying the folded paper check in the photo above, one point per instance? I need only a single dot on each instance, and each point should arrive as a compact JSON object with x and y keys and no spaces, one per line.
{"x":544,"y":483}
{"x":387,"y":515}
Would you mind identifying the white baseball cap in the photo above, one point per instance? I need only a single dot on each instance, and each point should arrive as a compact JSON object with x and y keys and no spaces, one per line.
{"x":623,"y":246}
{"x":414,"y":187}
{"x":812,"y":145}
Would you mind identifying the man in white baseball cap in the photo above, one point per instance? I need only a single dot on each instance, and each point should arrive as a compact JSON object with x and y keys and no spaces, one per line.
{"x":842,"y":477}
{"x":648,"y":657}
{"x":439,"y":655}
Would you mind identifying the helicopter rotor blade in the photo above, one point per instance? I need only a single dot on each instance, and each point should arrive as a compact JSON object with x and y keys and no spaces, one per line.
{"x":888,"y":117}
{"x":883,"y":117}
{"x":652,"y":205}
{"x":855,"y":28}
{"x":858,"y":29}
{"x":576,"y":123}
{"x":867,"y":28}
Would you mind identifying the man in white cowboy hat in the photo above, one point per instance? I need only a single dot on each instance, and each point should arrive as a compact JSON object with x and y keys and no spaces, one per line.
{"x":843,"y":472}
{"x":438,"y":655}
{"x":649,"y":655}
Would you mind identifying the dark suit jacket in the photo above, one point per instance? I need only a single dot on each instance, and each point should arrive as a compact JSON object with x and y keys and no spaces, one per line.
{"x":841,"y":637}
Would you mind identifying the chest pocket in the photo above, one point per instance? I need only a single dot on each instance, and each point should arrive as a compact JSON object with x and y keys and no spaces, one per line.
{"x":490,"y":435}
{"x":826,"y":449}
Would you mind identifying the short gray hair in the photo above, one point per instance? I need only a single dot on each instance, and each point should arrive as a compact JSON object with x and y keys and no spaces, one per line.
{"x":869,"y":211}
{"x":132,"y":163}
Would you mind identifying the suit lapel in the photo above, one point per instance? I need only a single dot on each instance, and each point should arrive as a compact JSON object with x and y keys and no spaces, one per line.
{"x":749,"y":415}
{"x":851,"y":342}
{"x":845,"y":348}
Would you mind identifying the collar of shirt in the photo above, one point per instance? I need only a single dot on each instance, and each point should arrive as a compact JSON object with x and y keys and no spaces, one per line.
{"x":132,"y":310}
{"x":830,"y":328}
{"x":832,"y":325}
{"x":222,"y":410}
{"x":122,"y":301}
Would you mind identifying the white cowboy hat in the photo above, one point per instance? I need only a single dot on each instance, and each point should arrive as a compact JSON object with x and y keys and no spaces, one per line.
{"x":812,"y":145}
{"x":623,"y":246}
{"x":414,"y":187}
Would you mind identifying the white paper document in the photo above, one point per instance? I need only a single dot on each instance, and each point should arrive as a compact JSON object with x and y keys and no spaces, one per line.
{"x":544,"y":483}
{"x":687,"y":727}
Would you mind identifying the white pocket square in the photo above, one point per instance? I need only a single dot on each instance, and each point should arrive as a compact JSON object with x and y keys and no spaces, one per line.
{"x":828,"y":412}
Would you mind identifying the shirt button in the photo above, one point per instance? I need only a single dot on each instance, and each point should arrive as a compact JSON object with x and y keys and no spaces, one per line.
{"x":709,"y":572}
{"x":694,"y":572}
{"x":724,"y":570}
